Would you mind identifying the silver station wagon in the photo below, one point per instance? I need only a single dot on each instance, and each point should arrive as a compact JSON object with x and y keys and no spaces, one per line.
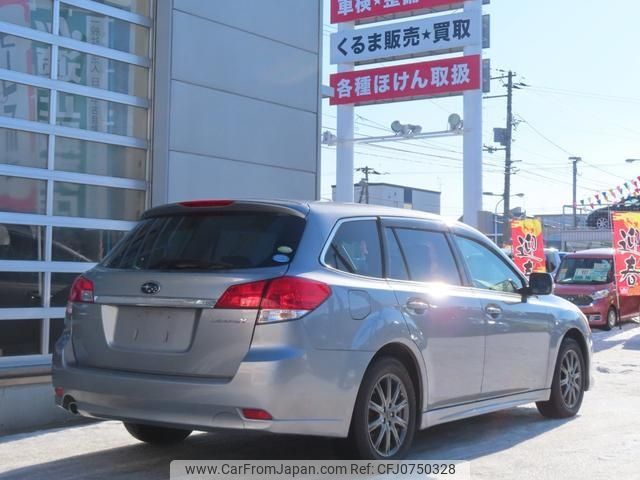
{"x":340,"y":320}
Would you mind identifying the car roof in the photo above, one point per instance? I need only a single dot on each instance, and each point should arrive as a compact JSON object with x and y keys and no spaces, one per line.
{"x":362,"y":209}
{"x":337,"y":210}
{"x":333,"y":210}
{"x":592,"y":253}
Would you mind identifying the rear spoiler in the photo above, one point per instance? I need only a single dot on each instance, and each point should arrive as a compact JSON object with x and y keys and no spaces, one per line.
{"x":298,"y":209}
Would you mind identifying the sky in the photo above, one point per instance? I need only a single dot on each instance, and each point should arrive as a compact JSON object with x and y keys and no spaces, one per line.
{"x":580,"y":59}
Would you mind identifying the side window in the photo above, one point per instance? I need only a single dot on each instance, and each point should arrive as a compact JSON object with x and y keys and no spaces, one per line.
{"x":396,"y":263}
{"x":355,"y":248}
{"x":428,"y":256}
{"x":487,"y":270}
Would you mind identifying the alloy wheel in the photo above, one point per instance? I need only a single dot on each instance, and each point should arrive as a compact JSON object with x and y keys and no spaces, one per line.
{"x":388,"y":415}
{"x":602,"y":223}
{"x":570,"y":379}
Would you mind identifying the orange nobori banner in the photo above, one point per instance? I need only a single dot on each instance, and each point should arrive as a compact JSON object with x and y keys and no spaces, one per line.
{"x":528,"y":245}
{"x":626,"y":242}
{"x":358,"y":10}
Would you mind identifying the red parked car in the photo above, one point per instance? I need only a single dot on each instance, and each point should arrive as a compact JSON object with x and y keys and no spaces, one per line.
{"x":587,"y":279}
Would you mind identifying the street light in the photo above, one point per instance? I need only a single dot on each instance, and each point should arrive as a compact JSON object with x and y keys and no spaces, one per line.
{"x":631,"y":160}
{"x":495,"y":210}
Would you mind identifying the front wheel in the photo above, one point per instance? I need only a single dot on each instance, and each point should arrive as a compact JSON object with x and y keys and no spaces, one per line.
{"x":156,"y":435}
{"x":567,"y":389}
{"x":384,"y":416}
{"x":602,"y":223}
{"x":612,"y":319}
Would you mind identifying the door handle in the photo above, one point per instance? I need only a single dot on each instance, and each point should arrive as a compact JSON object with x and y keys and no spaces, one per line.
{"x":493,"y":311}
{"x":417,"y":306}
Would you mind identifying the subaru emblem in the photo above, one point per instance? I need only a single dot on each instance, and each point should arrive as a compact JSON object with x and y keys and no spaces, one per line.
{"x":150,"y":288}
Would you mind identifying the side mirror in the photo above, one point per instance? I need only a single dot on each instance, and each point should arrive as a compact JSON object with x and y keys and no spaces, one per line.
{"x":540,"y":284}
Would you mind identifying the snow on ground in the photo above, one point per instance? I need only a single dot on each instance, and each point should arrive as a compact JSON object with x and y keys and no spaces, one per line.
{"x":603,"y":441}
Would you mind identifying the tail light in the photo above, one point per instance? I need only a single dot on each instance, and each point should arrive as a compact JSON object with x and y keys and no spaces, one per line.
{"x":280,"y":299}
{"x":81,"y":291}
{"x":244,"y":296}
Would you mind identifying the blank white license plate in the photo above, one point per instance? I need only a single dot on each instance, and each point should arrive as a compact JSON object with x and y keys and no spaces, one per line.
{"x":149,"y":328}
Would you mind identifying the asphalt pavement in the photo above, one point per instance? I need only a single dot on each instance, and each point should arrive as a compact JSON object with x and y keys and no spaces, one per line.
{"x":602,"y":442}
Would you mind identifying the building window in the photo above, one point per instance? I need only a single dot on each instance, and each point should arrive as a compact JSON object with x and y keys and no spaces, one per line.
{"x":74,"y":127}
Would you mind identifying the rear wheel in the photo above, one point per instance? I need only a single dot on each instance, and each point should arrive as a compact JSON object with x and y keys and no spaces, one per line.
{"x":567,"y":389}
{"x":612,"y":319}
{"x":156,"y":435}
{"x":384,"y":416}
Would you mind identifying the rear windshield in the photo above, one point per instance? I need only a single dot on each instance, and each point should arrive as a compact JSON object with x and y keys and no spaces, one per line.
{"x":209,"y":241}
{"x":585,"y":271}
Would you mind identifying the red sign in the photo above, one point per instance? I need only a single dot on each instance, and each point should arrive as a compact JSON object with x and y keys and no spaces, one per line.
{"x":527,"y":246}
{"x":626,"y":242}
{"x":353,"y":10}
{"x":417,"y":80}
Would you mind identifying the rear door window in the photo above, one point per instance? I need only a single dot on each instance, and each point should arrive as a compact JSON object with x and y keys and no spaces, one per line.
{"x":230,"y":240}
{"x":355,"y":248}
{"x":427,"y":255}
{"x":396,"y":263}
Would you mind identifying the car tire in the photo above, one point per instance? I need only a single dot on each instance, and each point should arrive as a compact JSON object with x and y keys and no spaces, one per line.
{"x":156,"y":435}
{"x":602,"y":223}
{"x":387,"y":398}
{"x":567,"y":388}
{"x":612,"y":319}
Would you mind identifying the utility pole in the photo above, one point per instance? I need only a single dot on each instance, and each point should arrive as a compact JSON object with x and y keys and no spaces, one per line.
{"x":365,"y":188}
{"x":575,"y":161}
{"x":506,"y":222}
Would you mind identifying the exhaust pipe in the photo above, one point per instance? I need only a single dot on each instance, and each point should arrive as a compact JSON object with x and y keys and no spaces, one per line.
{"x":69,"y":404}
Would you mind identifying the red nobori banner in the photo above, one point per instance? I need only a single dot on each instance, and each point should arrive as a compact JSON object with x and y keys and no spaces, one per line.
{"x":626,"y":242}
{"x":527,"y":246}
{"x":426,"y":79}
{"x":353,"y":10}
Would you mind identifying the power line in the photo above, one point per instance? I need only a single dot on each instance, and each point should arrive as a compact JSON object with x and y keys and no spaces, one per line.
{"x":380,"y":127}
{"x":591,"y":95}
{"x":551,"y":179}
{"x":413,"y":152}
{"x":604,"y":171}
{"x":555,"y":102}
{"x":542,"y":135}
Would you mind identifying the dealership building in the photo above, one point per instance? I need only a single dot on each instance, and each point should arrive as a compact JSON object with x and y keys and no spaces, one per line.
{"x":108,"y":107}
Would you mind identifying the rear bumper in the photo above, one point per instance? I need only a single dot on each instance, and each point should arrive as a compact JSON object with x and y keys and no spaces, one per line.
{"x":309,"y":392}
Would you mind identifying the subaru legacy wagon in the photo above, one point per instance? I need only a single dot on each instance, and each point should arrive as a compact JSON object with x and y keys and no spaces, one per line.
{"x":340,"y":320}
